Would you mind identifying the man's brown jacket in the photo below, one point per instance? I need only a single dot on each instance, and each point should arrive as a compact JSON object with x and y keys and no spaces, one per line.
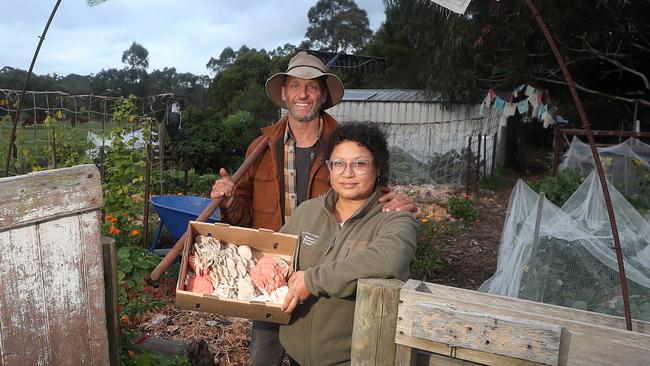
{"x":257,"y":196}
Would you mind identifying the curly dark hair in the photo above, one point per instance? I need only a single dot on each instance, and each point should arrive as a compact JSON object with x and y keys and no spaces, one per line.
{"x":370,"y":137}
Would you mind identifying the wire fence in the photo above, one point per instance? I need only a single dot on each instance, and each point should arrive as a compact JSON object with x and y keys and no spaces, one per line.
{"x":455,"y":152}
{"x":60,"y":129}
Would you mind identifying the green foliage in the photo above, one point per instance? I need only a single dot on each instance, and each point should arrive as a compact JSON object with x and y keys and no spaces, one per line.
{"x":240,"y":78}
{"x":337,"y":26}
{"x":198,"y":185}
{"x":461,"y":208}
{"x":565,"y":273}
{"x":212,"y":143}
{"x":559,"y":188}
{"x":500,"y":180}
{"x":428,"y":254}
{"x":124,"y":182}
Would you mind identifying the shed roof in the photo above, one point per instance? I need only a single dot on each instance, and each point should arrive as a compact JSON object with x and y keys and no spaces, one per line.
{"x":388,"y":95}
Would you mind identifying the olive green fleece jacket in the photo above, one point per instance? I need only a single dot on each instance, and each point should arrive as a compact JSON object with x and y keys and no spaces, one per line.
{"x":371,"y":244}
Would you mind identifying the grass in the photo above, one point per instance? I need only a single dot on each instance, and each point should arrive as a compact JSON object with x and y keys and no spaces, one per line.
{"x":33,"y":141}
{"x":500,"y":180}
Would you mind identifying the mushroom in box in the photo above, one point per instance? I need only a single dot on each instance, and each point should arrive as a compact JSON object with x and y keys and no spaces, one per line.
{"x":236,"y":271}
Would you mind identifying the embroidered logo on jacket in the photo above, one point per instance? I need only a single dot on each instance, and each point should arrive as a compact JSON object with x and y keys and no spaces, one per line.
{"x":309,"y":239}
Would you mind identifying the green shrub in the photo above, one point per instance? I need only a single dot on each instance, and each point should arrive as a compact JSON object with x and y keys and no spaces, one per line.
{"x":429,"y":249}
{"x":559,"y":188}
{"x":461,"y":208}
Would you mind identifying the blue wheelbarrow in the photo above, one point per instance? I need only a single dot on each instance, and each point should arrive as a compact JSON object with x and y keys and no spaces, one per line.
{"x":176,"y":212}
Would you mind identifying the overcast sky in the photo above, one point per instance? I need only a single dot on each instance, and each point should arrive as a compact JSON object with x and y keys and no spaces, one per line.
{"x":177,"y":33}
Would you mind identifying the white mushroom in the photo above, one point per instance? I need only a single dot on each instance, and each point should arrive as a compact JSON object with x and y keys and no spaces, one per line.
{"x":245,"y":251}
{"x":246,"y":290}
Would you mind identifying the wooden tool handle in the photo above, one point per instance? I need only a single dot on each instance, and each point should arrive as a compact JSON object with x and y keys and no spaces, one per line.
{"x":169,"y":259}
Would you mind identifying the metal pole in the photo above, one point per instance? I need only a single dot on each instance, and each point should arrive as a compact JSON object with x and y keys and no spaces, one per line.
{"x":12,"y":139}
{"x":594,"y":152}
{"x":469,"y":165}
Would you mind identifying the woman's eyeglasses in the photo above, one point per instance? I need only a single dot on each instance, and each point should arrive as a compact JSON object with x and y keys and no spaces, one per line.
{"x":358,"y":167}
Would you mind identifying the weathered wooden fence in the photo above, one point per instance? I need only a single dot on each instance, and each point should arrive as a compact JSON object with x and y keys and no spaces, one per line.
{"x":431,"y":324}
{"x":52,"y":299}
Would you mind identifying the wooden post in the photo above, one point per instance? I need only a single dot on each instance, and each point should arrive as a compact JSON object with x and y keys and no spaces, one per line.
{"x":375,"y":321}
{"x":186,"y":168}
{"x":556,"y":148}
{"x":147,"y":194}
{"x":53,"y":148}
{"x":494,"y":152}
{"x":110,"y":289}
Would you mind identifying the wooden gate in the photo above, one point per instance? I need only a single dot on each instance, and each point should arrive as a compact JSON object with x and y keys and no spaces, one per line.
{"x":52,"y":298}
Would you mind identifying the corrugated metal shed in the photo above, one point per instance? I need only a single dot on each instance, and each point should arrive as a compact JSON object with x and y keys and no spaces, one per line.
{"x":389,"y":95}
{"x":400,"y":106}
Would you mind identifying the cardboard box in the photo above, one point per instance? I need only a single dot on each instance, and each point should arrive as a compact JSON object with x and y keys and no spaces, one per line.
{"x":263,"y":243}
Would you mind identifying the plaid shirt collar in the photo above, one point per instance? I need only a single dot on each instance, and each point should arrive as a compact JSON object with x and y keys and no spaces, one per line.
{"x":289,"y":135}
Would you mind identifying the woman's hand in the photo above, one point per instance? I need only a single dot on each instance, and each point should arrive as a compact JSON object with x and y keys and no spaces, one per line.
{"x":397,"y":202}
{"x":298,"y":292}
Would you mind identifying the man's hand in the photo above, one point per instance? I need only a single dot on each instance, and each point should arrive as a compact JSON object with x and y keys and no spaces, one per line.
{"x":224,"y":187}
{"x":298,"y":292}
{"x":397,"y":202}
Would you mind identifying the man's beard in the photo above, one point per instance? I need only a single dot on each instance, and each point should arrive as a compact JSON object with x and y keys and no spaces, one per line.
{"x":313,"y":113}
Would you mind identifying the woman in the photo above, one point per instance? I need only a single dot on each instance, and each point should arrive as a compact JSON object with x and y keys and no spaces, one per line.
{"x":344,"y":236}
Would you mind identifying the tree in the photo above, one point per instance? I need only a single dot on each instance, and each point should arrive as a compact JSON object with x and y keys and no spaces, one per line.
{"x":497,"y":44}
{"x":338,"y":26}
{"x":243,"y":73}
{"x":136,"y":57}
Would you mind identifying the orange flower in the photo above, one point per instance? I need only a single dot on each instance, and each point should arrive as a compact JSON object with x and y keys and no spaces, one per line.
{"x":124,"y":320}
{"x":125,"y":214}
{"x":134,"y":232}
{"x":113,"y":230}
{"x":111,"y":219}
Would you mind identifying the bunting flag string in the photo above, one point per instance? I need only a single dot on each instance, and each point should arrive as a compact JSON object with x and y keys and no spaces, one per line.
{"x":536,"y":105}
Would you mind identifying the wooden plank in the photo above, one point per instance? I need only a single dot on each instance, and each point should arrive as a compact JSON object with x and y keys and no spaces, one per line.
{"x":24,"y":325}
{"x":405,"y":355}
{"x":458,"y":353}
{"x":375,"y":319}
{"x":582,"y":343}
{"x":67,"y":304}
{"x":92,"y":270}
{"x":481,"y":331}
{"x":507,"y":303}
{"x":48,"y":194}
{"x":110,"y":289}
{"x":434,"y":359}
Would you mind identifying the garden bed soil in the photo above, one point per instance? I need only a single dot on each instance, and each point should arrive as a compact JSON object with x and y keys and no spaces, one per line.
{"x":469,"y":258}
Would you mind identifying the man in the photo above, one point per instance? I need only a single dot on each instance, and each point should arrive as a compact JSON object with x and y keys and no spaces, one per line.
{"x":290,"y":171}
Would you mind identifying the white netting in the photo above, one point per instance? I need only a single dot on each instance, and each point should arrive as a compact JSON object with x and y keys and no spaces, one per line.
{"x":437,"y":152}
{"x":626,"y":165}
{"x":571,"y":261}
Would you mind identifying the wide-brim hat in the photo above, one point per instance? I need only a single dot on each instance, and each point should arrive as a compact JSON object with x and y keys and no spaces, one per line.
{"x":305,"y":66}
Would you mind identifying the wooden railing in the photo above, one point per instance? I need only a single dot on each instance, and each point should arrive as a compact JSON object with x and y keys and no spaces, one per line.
{"x":428,"y":324}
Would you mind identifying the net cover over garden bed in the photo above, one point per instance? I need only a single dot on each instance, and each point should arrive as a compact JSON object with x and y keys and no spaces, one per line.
{"x":571,"y":261}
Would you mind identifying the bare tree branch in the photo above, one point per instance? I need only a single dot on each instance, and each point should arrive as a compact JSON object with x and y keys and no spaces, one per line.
{"x":596,"y":92}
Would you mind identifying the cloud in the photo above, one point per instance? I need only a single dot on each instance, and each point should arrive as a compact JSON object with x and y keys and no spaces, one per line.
{"x":177,"y":33}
